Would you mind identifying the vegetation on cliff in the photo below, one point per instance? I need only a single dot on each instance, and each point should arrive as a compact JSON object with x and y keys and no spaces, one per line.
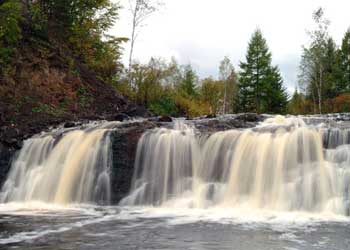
{"x":57,"y":61}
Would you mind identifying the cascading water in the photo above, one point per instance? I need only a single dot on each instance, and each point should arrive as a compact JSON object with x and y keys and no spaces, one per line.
{"x":67,"y":167}
{"x":281,"y":165}
{"x":169,"y":156}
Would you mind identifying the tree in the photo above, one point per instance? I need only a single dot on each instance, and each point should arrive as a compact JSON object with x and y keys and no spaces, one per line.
{"x":342,"y":77}
{"x":212,"y":92}
{"x":313,"y":66}
{"x":296,"y":103}
{"x":260,"y":84}
{"x":10,"y":30}
{"x":140,"y":10}
{"x":189,"y":81}
{"x":228,"y":76}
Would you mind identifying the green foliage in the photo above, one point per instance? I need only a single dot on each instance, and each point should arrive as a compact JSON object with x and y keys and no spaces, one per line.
{"x":342,"y":66}
{"x":165,"y":105}
{"x":10,"y":30}
{"x":47,"y":109}
{"x":296,"y":104}
{"x":260,"y":87}
{"x":84,"y":97}
{"x":324,"y":68}
{"x":80,"y":25}
{"x":212,"y":92}
{"x":188,"y":83}
{"x":165,"y":88}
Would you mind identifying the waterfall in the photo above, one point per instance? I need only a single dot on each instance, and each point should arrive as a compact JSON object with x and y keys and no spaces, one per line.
{"x":169,"y":155}
{"x":66,"y":167}
{"x":281,"y":165}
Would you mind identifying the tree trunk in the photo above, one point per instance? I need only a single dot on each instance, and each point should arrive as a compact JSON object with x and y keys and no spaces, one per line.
{"x":132,"y":38}
{"x":314,"y":100}
{"x":319,"y":91}
{"x":225,"y":96}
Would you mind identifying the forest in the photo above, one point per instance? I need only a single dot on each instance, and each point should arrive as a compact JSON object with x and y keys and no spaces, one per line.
{"x":165,"y":87}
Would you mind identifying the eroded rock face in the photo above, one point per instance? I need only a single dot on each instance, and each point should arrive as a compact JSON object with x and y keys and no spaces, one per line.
{"x":6,"y":154}
{"x":124,"y":147}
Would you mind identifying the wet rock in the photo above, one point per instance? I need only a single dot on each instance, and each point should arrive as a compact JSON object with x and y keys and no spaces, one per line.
{"x":211,"y":116}
{"x":2,"y":114}
{"x":69,"y":125}
{"x":6,"y":155}
{"x":165,"y":118}
{"x":121,"y":117}
{"x":250,"y":117}
{"x":124,"y":146}
{"x":138,"y":111}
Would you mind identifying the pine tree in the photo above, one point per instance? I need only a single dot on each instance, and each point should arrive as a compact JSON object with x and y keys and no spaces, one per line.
{"x":276,"y":94}
{"x":260,"y":84}
{"x":344,"y":62}
{"x":329,"y":90}
{"x":188,"y":84}
{"x":296,"y":103}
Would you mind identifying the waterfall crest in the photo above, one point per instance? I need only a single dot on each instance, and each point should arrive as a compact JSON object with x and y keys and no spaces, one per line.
{"x":281,"y":165}
{"x":72,"y":167}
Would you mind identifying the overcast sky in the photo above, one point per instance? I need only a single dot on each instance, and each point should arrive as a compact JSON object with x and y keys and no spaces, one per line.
{"x":202,"y":32}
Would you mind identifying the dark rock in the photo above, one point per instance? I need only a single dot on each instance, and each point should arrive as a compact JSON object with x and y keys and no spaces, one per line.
{"x":6,"y":155}
{"x":211,"y":116}
{"x":213,"y":123}
{"x":2,"y":113}
{"x":121,"y":117}
{"x":250,"y":117}
{"x":69,"y":125}
{"x":165,"y":118}
{"x":138,"y":111}
{"x":124,"y":146}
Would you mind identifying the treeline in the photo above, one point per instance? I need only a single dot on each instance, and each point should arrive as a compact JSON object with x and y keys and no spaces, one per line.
{"x":78,"y":29}
{"x":168,"y":88}
{"x":324,"y":80}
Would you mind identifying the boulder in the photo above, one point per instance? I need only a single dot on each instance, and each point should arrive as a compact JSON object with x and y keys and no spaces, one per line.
{"x":69,"y":125}
{"x":165,"y":118}
{"x":120,"y":117}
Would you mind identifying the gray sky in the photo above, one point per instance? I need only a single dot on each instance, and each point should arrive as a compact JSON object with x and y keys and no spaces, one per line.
{"x":202,"y":32}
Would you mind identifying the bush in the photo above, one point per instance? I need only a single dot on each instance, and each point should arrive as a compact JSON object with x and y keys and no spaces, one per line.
{"x":166,"y":105}
{"x":10,"y":30}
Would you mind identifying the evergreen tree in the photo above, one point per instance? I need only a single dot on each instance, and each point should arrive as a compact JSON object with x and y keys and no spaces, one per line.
{"x":260,"y":84}
{"x":329,"y":90}
{"x":343,"y":65}
{"x":188,"y":84}
{"x":296,"y":103}
{"x":276,"y":94}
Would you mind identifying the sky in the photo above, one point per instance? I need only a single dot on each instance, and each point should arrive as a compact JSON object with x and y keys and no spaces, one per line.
{"x":203,"y":32}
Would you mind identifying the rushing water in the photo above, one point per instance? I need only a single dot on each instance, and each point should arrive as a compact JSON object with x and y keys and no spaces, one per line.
{"x":284,"y":184}
{"x":64,"y":168}
{"x":281,"y":165}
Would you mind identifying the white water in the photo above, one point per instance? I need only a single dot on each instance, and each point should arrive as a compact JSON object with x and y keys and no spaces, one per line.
{"x":279,"y":166}
{"x":62,"y":168}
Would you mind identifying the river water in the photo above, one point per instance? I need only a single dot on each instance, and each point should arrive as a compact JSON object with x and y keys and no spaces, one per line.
{"x":284,"y":184}
{"x":40,"y":226}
